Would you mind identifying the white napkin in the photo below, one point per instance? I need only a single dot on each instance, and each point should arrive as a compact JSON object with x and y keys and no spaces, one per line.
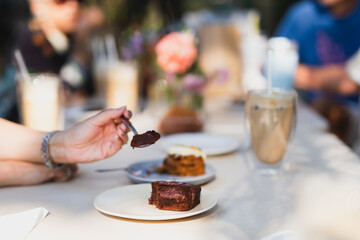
{"x":19,"y":225}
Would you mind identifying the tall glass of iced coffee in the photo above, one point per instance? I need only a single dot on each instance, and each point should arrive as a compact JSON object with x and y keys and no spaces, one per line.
{"x":122,"y":85}
{"x":271,"y":123}
{"x":41,"y":102}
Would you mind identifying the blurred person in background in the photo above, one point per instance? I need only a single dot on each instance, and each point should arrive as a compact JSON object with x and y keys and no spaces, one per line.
{"x":53,"y":41}
{"x":327,"y":35}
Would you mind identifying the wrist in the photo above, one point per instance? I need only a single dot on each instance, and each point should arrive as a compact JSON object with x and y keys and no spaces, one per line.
{"x":57,"y":148}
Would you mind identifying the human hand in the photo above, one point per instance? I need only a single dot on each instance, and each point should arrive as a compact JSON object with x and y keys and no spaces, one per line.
{"x":303,"y":77}
{"x":336,"y":79}
{"x":330,"y":78}
{"x":26,"y":173}
{"x":98,"y":137}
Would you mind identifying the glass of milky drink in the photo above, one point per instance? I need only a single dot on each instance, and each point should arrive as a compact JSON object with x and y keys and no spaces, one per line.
{"x":122,"y":85}
{"x":41,"y":102}
{"x":271,"y":124}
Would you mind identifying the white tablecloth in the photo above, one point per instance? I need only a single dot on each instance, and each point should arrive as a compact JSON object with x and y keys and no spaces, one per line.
{"x":249,"y":206}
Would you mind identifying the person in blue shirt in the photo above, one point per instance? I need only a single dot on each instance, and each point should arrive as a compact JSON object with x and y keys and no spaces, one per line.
{"x":328,"y":35}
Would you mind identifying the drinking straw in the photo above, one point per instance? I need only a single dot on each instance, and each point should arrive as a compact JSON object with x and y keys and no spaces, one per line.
{"x":102,"y":49}
{"x":113,"y":43}
{"x":111,"y":47}
{"x":269,"y":67}
{"x":94,"y":48}
{"x":107,"y":50}
{"x":23,"y":69}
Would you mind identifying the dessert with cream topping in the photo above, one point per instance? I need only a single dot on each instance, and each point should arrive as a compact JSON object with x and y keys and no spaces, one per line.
{"x":183,"y":160}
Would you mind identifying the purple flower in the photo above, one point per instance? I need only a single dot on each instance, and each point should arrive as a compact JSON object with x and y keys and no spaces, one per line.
{"x":194,"y":82}
{"x":136,"y":42}
{"x":126,"y":53}
{"x":132,"y":47}
{"x":221,"y":75}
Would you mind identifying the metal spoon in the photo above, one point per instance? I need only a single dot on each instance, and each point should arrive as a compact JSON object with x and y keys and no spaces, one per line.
{"x":132,"y":128}
{"x":130,"y":170}
{"x":110,"y":169}
{"x":129,"y":125}
{"x":136,"y":135}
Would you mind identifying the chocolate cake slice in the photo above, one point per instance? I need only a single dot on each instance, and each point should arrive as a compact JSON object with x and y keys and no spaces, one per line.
{"x":174,"y":196}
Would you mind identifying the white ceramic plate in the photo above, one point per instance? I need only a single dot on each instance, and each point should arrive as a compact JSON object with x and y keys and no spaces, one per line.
{"x":211,"y":144}
{"x":144,"y":172}
{"x":132,"y":202}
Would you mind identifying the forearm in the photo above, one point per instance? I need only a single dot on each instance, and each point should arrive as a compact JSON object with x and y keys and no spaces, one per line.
{"x":334,"y":79}
{"x":331,"y":78}
{"x":6,"y":174}
{"x":14,"y":173}
{"x":19,"y":143}
{"x":96,"y":138}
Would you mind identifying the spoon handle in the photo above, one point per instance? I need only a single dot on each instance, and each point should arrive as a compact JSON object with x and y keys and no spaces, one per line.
{"x":129,"y":125}
{"x":110,"y":169}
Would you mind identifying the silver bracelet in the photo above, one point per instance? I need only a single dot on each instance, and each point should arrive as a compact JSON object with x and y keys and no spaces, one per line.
{"x":45,"y":152}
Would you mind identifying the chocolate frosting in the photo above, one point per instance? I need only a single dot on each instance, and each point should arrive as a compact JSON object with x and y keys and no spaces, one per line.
{"x":140,"y":140}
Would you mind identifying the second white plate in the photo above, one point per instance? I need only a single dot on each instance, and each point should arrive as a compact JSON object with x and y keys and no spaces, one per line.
{"x":132,"y":202}
{"x":211,"y":144}
{"x":144,"y":172}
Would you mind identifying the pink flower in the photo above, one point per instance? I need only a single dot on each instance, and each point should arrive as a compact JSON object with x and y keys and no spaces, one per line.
{"x":176,"y":52}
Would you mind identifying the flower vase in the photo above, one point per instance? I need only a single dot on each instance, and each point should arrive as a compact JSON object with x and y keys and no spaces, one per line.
{"x":181,"y":84}
{"x":183,"y":109}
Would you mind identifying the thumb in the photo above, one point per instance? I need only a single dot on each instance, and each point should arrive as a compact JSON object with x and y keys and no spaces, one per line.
{"x":107,"y":115}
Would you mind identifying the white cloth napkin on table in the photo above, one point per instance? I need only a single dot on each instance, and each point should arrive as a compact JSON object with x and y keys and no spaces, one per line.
{"x":19,"y":225}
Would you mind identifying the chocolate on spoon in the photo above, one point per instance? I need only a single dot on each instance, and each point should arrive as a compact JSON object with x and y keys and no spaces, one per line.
{"x":145,"y":139}
{"x":141,"y":140}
